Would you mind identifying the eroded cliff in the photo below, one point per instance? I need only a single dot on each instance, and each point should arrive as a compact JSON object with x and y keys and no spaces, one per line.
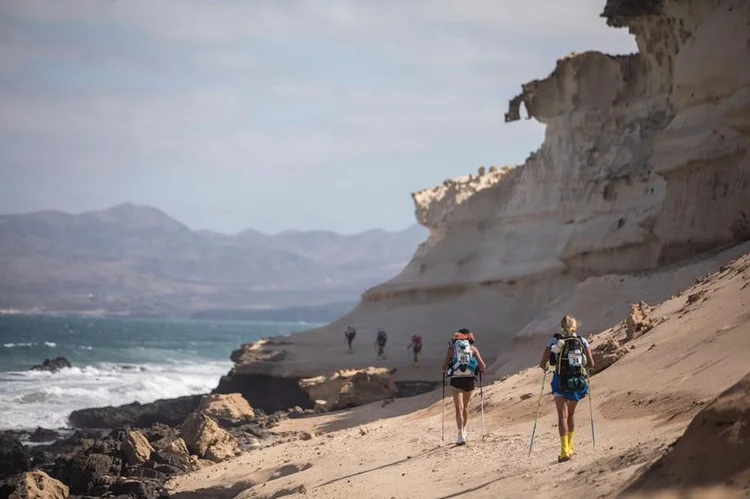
{"x":645,"y":166}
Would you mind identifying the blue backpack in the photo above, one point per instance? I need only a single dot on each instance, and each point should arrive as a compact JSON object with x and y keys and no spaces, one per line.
{"x":463,"y":363}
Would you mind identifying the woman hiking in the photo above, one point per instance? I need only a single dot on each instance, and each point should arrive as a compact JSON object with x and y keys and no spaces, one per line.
{"x":571,"y":357}
{"x":462,"y":364}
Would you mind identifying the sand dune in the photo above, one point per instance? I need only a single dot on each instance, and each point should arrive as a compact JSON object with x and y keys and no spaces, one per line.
{"x":641,"y":405}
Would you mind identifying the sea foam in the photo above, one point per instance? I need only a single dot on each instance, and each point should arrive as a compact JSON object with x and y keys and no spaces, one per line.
{"x":39,"y":398}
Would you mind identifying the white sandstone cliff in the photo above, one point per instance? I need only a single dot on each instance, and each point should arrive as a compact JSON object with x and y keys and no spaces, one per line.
{"x":645,"y":166}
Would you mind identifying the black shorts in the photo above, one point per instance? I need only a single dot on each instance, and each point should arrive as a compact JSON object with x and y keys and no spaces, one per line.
{"x":466,"y":384}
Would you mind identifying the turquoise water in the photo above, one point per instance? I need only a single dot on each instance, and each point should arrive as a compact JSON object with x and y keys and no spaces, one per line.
{"x":115,"y":361}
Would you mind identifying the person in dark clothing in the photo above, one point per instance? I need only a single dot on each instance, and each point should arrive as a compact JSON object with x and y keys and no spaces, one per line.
{"x":380,"y":341}
{"x":349,"y":334}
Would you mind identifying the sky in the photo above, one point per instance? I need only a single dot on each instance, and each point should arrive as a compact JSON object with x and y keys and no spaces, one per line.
{"x":270,"y":114}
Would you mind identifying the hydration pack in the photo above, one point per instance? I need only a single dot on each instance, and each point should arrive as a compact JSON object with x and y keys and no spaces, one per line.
{"x":463,"y":363}
{"x":570,"y":363}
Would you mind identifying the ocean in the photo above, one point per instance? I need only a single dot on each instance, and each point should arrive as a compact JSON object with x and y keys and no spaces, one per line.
{"x":115,"y":361}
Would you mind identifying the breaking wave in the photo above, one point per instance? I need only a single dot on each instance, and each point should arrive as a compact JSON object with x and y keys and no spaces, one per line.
{"x":38,"y":398}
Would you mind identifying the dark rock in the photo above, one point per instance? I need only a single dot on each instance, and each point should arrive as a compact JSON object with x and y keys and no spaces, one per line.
{"x":43,"y":435}
{"x":170,"y":412}
{"x":86,"y":470}
{"x":109,"y":446}
{"x":255,"y":431}
{"x":165,"y":469}
{"x":141,"y":472}
{"x":78,"y":441}
{"x":179,"y":463}
{"x":52,"y":365}
{"x":92,"y":463}
{"x":140,"y":489}
{"x":7,"y":487}
{"x":267,"y":393}
{"x":160,"y":435}
{"x":14,"y":457}
{"x":102,"y":485}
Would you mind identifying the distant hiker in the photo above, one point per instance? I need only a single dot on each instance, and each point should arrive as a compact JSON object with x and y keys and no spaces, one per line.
{"x":349,"y":334}
{"x":570,"y":355}
{"x":416,"y":346}
{"x":380,"y":341}
{"x":462,"y":364}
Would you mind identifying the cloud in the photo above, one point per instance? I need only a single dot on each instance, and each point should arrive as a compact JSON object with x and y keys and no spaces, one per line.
{"x":272,"y":88}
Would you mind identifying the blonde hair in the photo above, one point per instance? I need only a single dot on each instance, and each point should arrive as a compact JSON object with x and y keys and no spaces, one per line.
{"x":569,"y":324}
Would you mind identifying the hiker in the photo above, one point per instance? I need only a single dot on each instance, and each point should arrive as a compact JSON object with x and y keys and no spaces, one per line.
{"x":380,"y":341}
{"x":349,"y":334}
{"x":416,"y":346}
{"x":571,"y":357}
{"x":462,"y":364}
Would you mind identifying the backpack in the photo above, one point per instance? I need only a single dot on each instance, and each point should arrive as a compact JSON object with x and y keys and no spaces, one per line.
{"x":382,"y":337}
{"x":571,"y":364}
{"x":417,"y":340}
{"x":463,"y":363}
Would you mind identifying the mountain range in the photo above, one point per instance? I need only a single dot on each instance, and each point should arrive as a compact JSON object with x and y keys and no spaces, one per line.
{"x":136,"y":260}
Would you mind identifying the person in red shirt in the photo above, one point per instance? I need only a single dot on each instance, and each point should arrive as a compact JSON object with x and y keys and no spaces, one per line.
{"x":416,"y":348}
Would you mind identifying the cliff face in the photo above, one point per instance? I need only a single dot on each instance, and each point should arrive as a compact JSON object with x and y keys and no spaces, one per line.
{"x":645,"y":164}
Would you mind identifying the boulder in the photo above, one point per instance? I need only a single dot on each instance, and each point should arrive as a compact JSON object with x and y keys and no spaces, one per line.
{"x":175,"y":454}
{"x":85,"y":471}
{"x":228,"y":409}
{"x":607,"y":353}
{"x":638,"y":321}
{"x":37,"y":485}
{"x":160,"y":435}
{"x":136,"y":448}
{"x":177,"y":448}
{"x":43,"y":435}
{"x":350,"y":387}
{"x":320,"y":406}
{"x":14,"y":457}
{"x":170,"y":412}
{"x":141,"y":489}
{"x":207,"y":439}
{"x":52,"y":365}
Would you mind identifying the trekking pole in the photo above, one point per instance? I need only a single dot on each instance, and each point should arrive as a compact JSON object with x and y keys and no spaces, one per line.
{"x":442,"y":403}
{"x":539,"y":405}
{"x":481,"y":402}
{"x":591,"y":413}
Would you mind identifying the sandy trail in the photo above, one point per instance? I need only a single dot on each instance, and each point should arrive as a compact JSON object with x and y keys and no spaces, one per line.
{"x":641,"y":405}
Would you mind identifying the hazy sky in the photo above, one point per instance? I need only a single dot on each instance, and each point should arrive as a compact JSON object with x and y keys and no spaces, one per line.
{"x":270,"y":114}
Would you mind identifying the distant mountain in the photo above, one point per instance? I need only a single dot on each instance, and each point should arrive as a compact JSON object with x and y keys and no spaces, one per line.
{"x":133,"y":259}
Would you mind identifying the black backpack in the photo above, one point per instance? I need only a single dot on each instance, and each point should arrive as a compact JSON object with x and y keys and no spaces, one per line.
{"x":571,"y":364}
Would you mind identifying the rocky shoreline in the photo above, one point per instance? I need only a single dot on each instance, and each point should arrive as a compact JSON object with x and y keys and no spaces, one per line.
{"x":133,"y":461}
{"x":130,"y":451}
